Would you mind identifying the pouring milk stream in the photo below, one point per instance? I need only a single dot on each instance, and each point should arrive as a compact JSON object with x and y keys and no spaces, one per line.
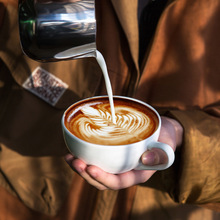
{"x":101,"y":61}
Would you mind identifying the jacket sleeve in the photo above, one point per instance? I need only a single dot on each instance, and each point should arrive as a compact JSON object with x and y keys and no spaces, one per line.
{"x":182,"y":77}
{"x":195,"y":175}
{"x":198,"y":168}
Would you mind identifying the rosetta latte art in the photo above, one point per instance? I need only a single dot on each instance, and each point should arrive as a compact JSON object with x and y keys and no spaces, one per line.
{"x":95,"y":125}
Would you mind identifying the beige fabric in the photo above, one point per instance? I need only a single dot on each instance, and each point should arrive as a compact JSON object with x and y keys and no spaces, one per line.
{"x":182,"y":73}
{"x":130,"y":26}
{"x":31,"y":139}
{"x":51,"y":179}
{"x":181,"y":79}
{"x":155,"y":204}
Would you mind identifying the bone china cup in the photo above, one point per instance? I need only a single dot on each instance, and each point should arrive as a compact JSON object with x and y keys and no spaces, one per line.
{"x":114,"y":155}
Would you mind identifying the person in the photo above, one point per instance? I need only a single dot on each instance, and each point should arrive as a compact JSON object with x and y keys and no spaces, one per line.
{"x":175,"y":70}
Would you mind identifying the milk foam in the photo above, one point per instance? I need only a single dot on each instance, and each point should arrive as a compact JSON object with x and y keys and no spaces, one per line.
{"x":95,"y":125}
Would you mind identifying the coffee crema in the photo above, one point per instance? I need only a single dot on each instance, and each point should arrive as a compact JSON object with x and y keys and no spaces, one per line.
{"x":91,"y":121}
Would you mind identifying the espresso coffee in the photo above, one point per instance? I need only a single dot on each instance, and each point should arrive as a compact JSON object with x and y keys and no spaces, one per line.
{"x":91,"y":121}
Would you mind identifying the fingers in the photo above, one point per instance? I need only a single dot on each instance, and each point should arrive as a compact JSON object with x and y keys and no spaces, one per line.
{"x":69,"y":158}
{"x":119,"y":181}
{"x":154,"y":157}
{"x":102,"y":180}
{"x":168,"y":135}
{"x":81,"y":169}
{"x":171,"y":132}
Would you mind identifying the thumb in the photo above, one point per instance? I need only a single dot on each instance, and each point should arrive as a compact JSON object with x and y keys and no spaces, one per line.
{"x":154,"y":156}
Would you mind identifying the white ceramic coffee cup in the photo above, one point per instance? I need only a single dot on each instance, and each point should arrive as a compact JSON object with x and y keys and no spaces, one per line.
{"x":118,"y":158}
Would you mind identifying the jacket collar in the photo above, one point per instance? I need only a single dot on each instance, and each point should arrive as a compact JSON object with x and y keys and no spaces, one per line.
{"x":127,"y":15}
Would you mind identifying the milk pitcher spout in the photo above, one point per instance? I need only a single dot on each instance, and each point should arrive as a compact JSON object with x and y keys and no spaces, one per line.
{"x":57,"y":30}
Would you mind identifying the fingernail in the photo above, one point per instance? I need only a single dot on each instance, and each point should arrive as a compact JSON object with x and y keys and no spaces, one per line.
{"x":93,"y":173}
{"x":80,"y":169}
{"x":149,"y":158}
{"x":68,"y":157}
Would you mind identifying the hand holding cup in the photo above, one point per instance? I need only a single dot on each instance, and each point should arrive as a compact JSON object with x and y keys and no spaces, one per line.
{"x":91,"y":136}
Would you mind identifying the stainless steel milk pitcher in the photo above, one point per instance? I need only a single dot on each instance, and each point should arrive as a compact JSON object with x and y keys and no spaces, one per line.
{"x":57,"y":30}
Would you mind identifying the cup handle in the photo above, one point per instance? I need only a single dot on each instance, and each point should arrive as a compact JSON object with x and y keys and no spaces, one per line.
{"x":169,"y":152}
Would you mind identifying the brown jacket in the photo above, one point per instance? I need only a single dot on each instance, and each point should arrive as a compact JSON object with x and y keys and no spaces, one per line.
{"x":180,"y":77}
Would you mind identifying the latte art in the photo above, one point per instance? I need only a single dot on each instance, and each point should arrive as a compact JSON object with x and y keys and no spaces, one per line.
{"x":93,"y":123}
